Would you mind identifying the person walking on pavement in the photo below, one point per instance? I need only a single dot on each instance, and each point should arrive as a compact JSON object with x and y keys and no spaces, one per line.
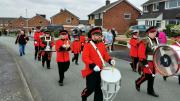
{"x":146,"y":50}
{"x":37,"y":41}
{"x":109,"y":39}
{"x":46,"y":54}
{"x":62,"y":57}
{"x":114,"y":37}
{"x":134,"y":43}
{"x":93,"y":65}
{"x":22,"y":39}
{"x":76,"y":49}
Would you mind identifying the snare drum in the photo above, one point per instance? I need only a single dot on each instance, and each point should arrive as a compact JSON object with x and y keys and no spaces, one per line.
{"x":110,"y":80}
{"x":167,"y":60}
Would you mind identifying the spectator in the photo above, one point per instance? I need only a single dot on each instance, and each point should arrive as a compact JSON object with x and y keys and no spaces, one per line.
{"x":22,"y":40}
{"x":114,"y":36}
{"x":108,"y":39}
{"x":162,"y":36}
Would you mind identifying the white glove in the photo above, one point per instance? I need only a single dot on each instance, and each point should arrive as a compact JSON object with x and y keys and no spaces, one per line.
{"x":96,"y":68}
{"x":67,"y":46}
{"x":113,"y":62}
{"x":64,"y":46}
{"x":153,"y":75}
{"x":147,"y":66}
{"x":35,"y":42}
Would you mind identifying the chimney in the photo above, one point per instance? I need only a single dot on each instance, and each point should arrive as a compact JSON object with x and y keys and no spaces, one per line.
{"x":61,"y":10}
{"x":107,"y":2}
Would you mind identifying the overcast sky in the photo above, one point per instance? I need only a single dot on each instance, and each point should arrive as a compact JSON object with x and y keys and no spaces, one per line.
{"x":81,"y":8}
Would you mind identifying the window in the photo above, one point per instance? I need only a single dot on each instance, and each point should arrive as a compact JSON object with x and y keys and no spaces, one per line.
{"x":127,"y":16}
{"x":172,"y":4}
{"x":97,"y":16}
{"x":68,"y":20}
{"x":156,"y":7}
{"x":145,"y":9}
{"x":158,"y":23}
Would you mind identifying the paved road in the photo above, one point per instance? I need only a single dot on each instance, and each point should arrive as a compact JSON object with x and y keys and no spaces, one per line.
{"x":11,"y":85}
{"x":44,"y":86}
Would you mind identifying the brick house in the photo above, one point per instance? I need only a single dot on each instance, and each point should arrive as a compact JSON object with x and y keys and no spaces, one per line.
{"x":64,"y":17}
{"x":4,"y":21}
{"x":38,"y":20}
{"x":160,"y":13}
{"x":119,"y":15}
{"x":18,"y":23}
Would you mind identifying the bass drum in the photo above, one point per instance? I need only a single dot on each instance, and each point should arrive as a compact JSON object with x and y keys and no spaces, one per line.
{"x":167,"y":60}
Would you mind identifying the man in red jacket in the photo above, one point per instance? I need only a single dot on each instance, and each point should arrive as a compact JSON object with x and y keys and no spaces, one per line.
{"x":62,"y":57}
{"x":76,"y":49}
{"x":146,"y":50}
{"x":82,"y":40}
{"x":134,"y":42}
{"x":37,"y":41}
{"x":93,"y":65}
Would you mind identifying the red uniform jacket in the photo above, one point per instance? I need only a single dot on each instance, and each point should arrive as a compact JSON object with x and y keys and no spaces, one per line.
{"x":37,"y":39}
{"x":134,"y":47}
{"x":76,"y":47}
{"x":90,"y":56}
{"x":82,"y":39}
{"x":62,"y":56}
{"x":142,"y":54}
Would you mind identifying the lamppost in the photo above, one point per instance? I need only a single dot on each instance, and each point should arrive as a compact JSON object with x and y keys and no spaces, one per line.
{"x":27,"y":22}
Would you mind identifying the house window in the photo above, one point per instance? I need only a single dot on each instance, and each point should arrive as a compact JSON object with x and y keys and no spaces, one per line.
{"x":145,"y":8}
{"x":101,"y":16}
{"x":127,"y":16}
{"x":156,"y":7}
{"x":68,"y":20}
{"x":158,"y":23}
{"x":172,"y":4}
{"x":97,"y":16}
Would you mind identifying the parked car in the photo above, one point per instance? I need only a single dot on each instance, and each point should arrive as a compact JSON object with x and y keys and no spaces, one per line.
{"x":142,"y":29}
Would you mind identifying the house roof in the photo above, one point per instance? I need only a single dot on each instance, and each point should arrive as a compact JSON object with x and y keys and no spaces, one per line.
{"x":6,"y":19}
{"x":171,"y":14}
{"x":149,"y":15}
{"x":36,"y":16}
{"x":107,"y":7}
{"x":153,"y":1}
{"x":66,"y":11}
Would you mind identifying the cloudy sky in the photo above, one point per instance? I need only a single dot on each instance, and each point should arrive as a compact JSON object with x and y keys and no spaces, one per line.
{"x":81,"y":8}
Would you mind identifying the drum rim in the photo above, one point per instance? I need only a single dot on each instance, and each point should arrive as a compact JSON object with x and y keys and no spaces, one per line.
{"x":156,"y":67}
{"x":110,"y":81}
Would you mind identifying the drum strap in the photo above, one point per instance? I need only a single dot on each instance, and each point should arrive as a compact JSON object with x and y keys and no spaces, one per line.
{"x":94,"y":46}
{"x":178,"y":43}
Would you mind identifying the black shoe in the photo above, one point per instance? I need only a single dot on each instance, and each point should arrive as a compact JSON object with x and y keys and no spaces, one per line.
{"x":165,"y":78}
{"x":60,"y":84}
{"x":84,"y":99}
{"x":77,"y":63}
{"x":72,"y":59}
{"x":153,"y":94}
{"x":48,"y":68}
{"x":137,"y":87}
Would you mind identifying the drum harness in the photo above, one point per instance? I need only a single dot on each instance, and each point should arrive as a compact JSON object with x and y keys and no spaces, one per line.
{"x":150,"y":57}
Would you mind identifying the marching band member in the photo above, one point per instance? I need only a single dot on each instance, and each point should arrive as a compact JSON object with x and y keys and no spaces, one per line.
{"x":82,"y":40}
{"x":93,"y":65}
{"x":76,"y":49}
{"x":134,"y":42}
{"x":46,"y":55}
{"x":146,"y":50}
{"x":62,"y":58}
{"x":37,"y":41}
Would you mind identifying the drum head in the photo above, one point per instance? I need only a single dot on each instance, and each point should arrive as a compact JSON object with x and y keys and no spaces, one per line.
{"x":166,"y":60}
{"x":110,"y":75}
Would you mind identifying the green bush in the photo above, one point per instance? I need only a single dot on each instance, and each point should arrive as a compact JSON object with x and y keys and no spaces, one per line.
{"x":122,"y":42}
{"x":56,"y":34}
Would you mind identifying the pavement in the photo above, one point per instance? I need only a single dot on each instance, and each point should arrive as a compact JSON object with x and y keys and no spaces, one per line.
{"x":43,"y":83}
{"x":11,"y":84}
